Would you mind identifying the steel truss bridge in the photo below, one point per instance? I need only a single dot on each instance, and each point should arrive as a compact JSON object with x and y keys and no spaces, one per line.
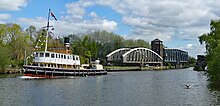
{"x":135,"y":56}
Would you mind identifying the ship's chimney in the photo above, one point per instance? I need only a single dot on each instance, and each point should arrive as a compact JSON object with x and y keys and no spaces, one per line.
{"x":67,"y":42}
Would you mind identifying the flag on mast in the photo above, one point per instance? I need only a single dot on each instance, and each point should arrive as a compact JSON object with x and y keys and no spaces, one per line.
{"x":53,"y":16}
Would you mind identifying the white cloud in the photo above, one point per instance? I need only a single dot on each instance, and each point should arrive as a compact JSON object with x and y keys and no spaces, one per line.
{"x":127,"y":7}
{"x":77,"y":9}
{"x":108,"y":25}
{"x":5,"y":16}
{"x":66,"y":27}
{"x":93,"y":14}
{"x":14,"y":5}
{"x":37,"y":22}
{"x":194,"y":49}
{"x":189,"y":46}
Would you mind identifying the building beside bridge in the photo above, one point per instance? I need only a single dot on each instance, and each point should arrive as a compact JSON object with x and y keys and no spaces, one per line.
{"x":156,"y":56}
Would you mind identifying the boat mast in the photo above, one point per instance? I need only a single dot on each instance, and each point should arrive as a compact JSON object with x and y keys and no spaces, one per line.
{"x":48,"y":25}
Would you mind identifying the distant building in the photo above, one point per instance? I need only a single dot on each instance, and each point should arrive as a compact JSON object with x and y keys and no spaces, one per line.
{"x":157,"y":46}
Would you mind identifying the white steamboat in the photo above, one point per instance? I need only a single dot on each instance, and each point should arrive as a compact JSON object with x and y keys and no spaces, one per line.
{"x":60,"y":61}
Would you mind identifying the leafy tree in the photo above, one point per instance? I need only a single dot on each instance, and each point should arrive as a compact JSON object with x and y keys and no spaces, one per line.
{"x":212,"y":44}
{"x":4,"y":57}
{"x":94,"y":49}
{"x":2,"y":33}
{"x":136,"y":43}
{"x":32,"y":31}
{"x":16,"y":41}
{"x":87,"y":56}
{"x":53,"y":43}
{"x":192,"y":61}
{"x":105,"y":43}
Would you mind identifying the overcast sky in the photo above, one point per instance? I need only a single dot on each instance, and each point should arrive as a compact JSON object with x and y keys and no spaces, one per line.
{"x":176,"y":22}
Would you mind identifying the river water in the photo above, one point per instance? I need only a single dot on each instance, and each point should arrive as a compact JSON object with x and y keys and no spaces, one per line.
{"x":142,"y":88}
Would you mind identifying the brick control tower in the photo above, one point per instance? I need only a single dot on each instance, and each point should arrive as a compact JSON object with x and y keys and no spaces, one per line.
{"x":157,"y":46}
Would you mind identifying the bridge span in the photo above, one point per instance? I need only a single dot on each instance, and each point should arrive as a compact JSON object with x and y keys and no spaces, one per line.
{"x":135,"y":56}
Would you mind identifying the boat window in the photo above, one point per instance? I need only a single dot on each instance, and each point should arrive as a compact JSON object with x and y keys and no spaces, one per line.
{"x":56,"y":56}
{"x":68,"y":57}
{"x":77,"y":58}
{"x":41,"y":54}
{"x":47,"y":55}
{"x":52,"y":55}
{"x":36,"y":55}
{"x":61,"y":56}
{"x":73,"y":57}
{"x":64,"y":56}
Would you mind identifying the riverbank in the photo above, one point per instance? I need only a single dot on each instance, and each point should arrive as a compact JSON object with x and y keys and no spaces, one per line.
{"x":10,"y":71}
{"x":134,"y":68}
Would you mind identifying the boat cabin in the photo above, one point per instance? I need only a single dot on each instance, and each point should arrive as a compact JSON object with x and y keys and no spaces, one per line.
{"x":56,"y":60}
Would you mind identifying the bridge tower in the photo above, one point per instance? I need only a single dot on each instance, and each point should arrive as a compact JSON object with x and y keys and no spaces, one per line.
{"x":157,"y":46}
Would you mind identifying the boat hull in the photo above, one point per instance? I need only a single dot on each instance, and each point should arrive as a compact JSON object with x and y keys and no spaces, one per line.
{"x":52,"y":72}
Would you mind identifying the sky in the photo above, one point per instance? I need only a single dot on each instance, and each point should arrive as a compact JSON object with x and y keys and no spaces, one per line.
{"x":178,"y":23}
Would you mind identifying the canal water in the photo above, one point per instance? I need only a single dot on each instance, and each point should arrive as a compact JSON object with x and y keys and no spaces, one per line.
{"x":141,"y":88}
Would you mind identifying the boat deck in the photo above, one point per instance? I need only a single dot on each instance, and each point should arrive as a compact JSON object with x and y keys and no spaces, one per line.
{"x":47,"y":71}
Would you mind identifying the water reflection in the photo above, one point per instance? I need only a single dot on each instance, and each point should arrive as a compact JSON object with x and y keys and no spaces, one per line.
{"x":151,"y":88}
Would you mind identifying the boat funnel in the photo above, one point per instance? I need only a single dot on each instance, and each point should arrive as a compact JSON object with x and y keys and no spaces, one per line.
{"x":67,"y":42}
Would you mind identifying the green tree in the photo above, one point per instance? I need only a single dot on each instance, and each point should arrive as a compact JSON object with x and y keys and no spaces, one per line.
{"x":81,"y":47}
{"x":105,"y":43}
{"x":88,"y":56}
{"x":212,"y":44}
{"x":17,"y":41}
{"x":2,"y":33}
{"x":192,"y":61}
{"x":4,"y":57}
{"x":32,"y":31}
{"x":136,"y":43}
